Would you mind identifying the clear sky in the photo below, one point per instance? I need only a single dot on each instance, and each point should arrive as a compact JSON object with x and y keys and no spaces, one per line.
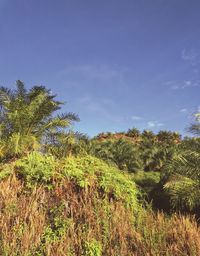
{"x":117,"y":63}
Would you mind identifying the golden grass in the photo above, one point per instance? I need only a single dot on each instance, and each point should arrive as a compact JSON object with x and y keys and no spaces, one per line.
{"x":68,"y":220}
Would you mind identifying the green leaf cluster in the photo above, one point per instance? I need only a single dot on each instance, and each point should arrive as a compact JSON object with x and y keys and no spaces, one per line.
{"x":89,"y":171}
{"x":36,"y":168}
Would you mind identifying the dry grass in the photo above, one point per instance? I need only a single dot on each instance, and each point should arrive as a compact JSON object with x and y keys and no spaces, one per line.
{"x":68,"y":220}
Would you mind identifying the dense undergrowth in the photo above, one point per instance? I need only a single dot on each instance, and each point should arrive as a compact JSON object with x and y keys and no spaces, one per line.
{"x":82,"y":206}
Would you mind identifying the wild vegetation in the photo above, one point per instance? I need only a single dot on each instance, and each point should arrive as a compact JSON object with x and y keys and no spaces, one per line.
{"x":63,"y":193}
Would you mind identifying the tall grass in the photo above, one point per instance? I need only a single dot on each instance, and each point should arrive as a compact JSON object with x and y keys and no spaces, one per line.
{"x":63,"y":216}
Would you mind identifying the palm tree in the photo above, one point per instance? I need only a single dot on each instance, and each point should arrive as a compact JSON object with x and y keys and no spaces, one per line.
{"x":168,"y":137}
{"x":66,"y":144}
{"x":148,"y":135}
{"x":182,"y":181}
{"x":122,"y":153}
{"x":176,"y":137}
{"x":28,"y":116}
{"x":134,"y":132}
{"x":195,"y":127}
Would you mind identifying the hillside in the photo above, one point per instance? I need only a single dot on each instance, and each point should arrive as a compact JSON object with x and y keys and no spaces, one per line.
{"x":81,"y":206}
{"x":64,"y":194}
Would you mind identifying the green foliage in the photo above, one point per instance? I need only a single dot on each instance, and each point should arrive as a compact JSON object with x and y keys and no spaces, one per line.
{"x":168,"y":138}
{"x":6,"y":170}
{"x":137,"y":152}
{"x":184,"y":192}
{"x":92,"y":248}
{"x":27,"y":118}
{"x":182,"y":180}
{"x":64,"y":144}
{"x":179,"y":187}
{"x":93,"y":208}
{"x":157,"y":150}
{"x":121,"y":153}
{"x":147,"y":181}
{"x":83,"y":205}
{"x":134,"y":132}
{"x":57,"y":230}
{"x":148,"y":135}
{"x":195,"y":126}
{"x":90,"y":171}
{"x":36,"y":168}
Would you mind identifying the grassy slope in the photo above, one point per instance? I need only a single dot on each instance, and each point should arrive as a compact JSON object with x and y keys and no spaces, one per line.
{"x":82,"y":206}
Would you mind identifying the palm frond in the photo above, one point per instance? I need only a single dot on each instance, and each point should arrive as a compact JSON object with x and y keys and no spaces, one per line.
{"x":71,"y":117}
{"x":184,"y":192}
{"x":21,"y":90}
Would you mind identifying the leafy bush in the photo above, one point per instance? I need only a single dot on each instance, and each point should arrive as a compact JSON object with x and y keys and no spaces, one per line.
{"x":90,"y":171}
{"x":36,"y":168}
{"x":146,"y":180}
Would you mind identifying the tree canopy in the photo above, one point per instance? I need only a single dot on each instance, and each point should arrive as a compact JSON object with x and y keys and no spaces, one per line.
{"x":28,"y":117}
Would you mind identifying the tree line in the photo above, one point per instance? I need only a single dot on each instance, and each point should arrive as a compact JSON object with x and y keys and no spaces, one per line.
{"x":113,"y":194}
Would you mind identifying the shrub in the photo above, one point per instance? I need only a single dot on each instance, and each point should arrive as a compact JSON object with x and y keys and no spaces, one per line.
{"x":90,"y":171}
{"x":36,"y":168}
{"x":147,"y":181}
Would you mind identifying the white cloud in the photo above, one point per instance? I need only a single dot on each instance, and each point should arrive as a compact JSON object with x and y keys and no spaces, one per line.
{"x":184,"y":110}
{"x":189,"y":55}
{"x":172,"y":85}
{"x":190,"y":83}
{"x":175,"y":87}
{"x":154,"y":124}
{"x":151,"y":124}
{"x":187,"y":83}
{"x":178,"y":85}
{"x":136,"y":118}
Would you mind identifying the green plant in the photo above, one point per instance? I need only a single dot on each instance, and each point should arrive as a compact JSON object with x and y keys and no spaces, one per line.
{"x":195,"y":127}
{"x":147,"y":181}
{"x":36,"y":168}
{"x":6,"y":170}
{"x":181,"y":180}
{"x":92,"y":248}
{"x":120,"y":153}
{"x":27,"y":118}
{"x":89,"y":171}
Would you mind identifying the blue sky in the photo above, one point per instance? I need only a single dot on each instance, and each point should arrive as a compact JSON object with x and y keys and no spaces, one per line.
{"x":117,"y":63}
